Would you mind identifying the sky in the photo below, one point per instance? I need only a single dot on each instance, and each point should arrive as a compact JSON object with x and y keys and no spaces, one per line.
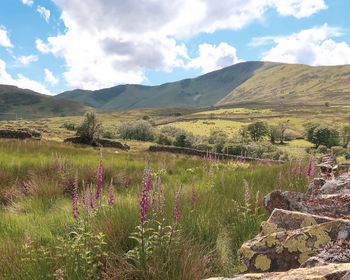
{"x":50,"y":46}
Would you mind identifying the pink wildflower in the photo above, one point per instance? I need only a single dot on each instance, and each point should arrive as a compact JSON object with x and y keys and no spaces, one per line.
{"x":310,"y":172}
{"x":75,"y":197}
{"x":111,"y":196}
{"x":177,"y":207}
{"x":92,"y":200}
{"x":144,"y":201}
{"x":99,"y":178}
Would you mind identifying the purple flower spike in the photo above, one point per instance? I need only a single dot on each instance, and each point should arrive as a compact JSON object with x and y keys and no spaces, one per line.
{"x":310,"y":172}
{"x":99,"y":178}
{"x":92,"y":200}
{"x":75,"y":197}
{"x":111,"y":196}
{"x":177,"y":207}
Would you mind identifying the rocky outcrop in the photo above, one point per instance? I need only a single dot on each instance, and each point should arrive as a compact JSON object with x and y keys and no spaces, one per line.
{"x":101,"y":142}
{"x":331,"y":271}
{"x":19,"y":134}
{"x":307,"y":235}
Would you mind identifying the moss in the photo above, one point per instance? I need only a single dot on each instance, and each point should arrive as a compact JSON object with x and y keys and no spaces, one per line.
{"x":262,"y":262}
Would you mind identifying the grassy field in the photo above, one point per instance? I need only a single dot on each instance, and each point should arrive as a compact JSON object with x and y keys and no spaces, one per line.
{"x":40,"y":239}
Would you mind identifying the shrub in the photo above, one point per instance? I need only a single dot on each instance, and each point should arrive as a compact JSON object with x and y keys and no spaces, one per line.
{"x":322,"y":149}
{"x":138,"y":130}
{"x":108,"y":134}
{"x":90,"y":128}
{"x":163,"y":139}
{"x":338,"y":150}
{"x":69,"y":126}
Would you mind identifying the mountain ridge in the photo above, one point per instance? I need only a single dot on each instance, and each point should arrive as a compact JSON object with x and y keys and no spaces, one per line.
{"x":245,"y":82}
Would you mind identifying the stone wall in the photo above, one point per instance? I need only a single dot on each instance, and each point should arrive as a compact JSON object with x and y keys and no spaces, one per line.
{"x":101,"y":142}
{"x":15,"y":134}
{"x":201,"y":153}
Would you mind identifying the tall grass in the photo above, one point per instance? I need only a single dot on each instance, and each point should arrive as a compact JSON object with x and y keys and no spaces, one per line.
{"x":220,"y":204}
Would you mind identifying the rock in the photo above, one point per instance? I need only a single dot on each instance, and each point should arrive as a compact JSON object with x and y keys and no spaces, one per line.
{"x":101,"y":142}
{"x":337,"y":185}
{"x":334,"y":205}
{"x":325,"y":272}
{"x":334,"y":252}
{"x":286,"y":249}
{"x":15,"y":134}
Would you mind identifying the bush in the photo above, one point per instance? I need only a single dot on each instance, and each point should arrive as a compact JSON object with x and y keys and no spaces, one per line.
{"x":322,"y":149}
{"x":183,"y":139}
{"x":338,"y":150}
{"x":163,"y":139}
{"x":321,"y":135}
{"x":138,"y":130}
{"x":257,"y":150}
{"x":108,"y":134}
{"x":69,"y":126}
{"x":90,"y":128}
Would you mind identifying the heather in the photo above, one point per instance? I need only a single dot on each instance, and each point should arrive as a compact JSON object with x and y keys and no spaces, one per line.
{"x":69,"y":212}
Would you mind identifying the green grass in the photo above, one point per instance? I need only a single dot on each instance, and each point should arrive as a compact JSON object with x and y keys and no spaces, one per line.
{"x":212,"y":229}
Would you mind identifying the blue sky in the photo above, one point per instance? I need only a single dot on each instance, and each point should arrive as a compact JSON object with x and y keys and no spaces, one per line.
{"x":54,"y":45}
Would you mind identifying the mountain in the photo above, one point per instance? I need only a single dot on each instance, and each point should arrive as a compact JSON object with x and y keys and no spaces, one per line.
{"x":246,"y":82}
{"x":294,"y":84}
{"x":203,"y":91}
{"x":17,"y":102}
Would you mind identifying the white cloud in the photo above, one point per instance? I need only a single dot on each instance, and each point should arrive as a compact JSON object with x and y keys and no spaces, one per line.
{"x":28,"y":2}
{"x":121,"y":39}
{"x":45,"y":13}
{"x":27,"y":59}
{"x":50,"y":78}
{"x":313,"y":46}
{"x":4,"y":39}
{"x":21,"y":81}
{"x":212,"y":57}
{"x":298,"y":8}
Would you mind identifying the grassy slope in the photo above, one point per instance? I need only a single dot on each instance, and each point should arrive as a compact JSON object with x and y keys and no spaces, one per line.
{"x":294,"y":83}
{"x":205,"y":90}
{"x":29,"y":104}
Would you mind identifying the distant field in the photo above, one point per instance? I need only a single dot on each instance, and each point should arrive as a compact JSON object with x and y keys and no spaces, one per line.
{"x":201,"y":122}
{"x":203,"y":127}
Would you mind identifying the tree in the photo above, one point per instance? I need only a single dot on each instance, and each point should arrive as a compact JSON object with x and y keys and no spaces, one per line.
{"x":345,"y":135}
{"x":309,"y":130}
{"x":90,"y":128}
{"x":257,"y":130}
{"x":282,"y":127}
{"x":273,"y":133}
{"x":326,"y":136}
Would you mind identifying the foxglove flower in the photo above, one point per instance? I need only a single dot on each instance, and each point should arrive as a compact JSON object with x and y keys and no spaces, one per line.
{"x":310,"y":172}
{"x":111,"y":196}
{"x":177,"y":207}
{"x":99,"y":178}
{"x":75,"y":197}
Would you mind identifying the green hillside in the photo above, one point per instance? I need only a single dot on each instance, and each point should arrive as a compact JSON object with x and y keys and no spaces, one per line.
{"x":17,"y":102}
{"x":247,"y":82}
{"x":205,"y":90}
{"x":294,"y":84}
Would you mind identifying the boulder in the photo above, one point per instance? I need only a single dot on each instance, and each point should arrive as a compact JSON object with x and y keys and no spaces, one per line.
{"x":281,"y":250}
{"x":332,"y":205}
{"x":326,"y":272}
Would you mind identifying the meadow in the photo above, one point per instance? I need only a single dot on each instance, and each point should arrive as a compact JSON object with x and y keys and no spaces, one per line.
{"x":162,"y":216}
